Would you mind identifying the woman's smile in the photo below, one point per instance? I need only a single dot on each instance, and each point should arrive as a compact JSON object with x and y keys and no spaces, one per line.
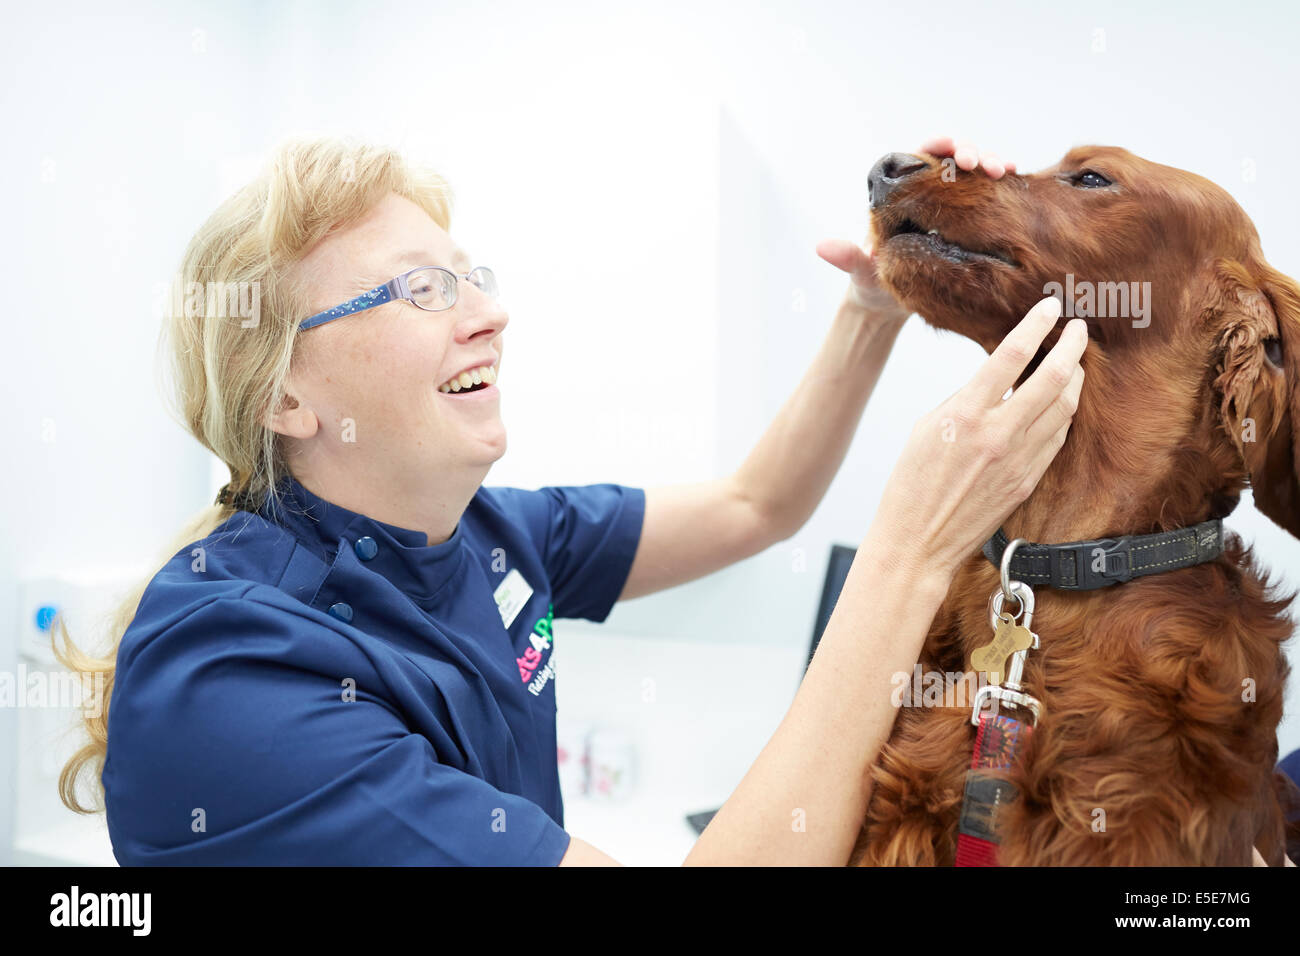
{"x":475,"y":379}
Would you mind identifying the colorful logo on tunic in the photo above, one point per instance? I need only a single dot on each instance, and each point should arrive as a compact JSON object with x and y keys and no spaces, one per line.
{"x":540,"y":642}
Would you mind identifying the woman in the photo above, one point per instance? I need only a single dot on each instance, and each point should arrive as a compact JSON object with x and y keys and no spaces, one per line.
{"x":347,"y":660}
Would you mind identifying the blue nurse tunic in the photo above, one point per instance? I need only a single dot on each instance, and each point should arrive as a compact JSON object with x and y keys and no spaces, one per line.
{"x":307,"y":685}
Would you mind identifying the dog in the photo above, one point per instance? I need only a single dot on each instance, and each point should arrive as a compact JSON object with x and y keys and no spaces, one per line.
{"x":1161,"y":695}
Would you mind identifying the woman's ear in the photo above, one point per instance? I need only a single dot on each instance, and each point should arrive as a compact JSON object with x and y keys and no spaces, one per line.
{"x":1257,"y":339}
{"x":292,"y":418}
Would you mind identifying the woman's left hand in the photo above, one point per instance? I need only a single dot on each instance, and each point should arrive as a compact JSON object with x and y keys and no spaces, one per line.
{"x":865,"y":290}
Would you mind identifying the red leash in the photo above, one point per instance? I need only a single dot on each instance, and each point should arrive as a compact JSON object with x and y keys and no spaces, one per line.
{"x":996,"y":743}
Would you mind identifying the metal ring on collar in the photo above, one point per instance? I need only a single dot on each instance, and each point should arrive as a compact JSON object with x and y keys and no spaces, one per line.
{"x":1006,"y":568}
{"x":1024,"y":596}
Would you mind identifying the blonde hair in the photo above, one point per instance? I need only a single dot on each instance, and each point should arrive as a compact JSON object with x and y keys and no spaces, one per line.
{"x":228,"y":372}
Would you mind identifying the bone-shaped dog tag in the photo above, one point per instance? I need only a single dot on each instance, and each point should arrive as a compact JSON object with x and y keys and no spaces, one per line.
{"x":1009,"y":638}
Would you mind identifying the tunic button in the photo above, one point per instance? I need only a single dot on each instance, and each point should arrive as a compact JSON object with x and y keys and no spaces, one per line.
{"x":366,"y":548}
{"x":342,"y":611}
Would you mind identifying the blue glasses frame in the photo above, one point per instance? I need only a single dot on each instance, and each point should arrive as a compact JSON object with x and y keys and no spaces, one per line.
{"x":395,"y":289}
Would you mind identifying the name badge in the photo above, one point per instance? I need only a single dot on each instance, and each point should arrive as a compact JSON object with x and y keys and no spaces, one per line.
{"x":511,"y":596}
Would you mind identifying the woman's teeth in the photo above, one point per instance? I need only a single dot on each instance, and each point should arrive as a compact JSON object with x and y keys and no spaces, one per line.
{"x":483,"y":375}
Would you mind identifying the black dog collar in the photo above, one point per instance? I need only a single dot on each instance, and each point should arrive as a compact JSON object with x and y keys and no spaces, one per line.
{"x":1088,"y":565}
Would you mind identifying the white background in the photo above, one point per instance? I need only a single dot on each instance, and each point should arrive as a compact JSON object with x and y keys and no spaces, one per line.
{"x":649,"y":180}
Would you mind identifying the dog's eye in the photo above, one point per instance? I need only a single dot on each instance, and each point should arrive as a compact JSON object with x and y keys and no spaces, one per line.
{"x":1090,"y":180}
{"x":1273,"y":350}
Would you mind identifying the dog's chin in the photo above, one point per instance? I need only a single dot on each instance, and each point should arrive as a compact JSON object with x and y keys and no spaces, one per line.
{"x":965,"y":297}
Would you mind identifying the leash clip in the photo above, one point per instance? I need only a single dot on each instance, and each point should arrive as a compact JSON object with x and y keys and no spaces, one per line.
{"x":1016,"y":698}
{"x":1010,"y":692}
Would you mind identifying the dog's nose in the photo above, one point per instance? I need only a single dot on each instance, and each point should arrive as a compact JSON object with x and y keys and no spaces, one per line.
{"x":890,"y":170}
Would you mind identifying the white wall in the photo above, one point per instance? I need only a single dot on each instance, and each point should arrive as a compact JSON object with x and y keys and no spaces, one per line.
{"x":649,"y":180}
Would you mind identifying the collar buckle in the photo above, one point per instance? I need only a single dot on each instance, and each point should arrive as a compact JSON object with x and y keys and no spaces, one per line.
{"x":1116,"y":560}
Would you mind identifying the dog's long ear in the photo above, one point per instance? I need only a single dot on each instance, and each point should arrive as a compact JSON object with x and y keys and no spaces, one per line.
{"x":1257,"y":377}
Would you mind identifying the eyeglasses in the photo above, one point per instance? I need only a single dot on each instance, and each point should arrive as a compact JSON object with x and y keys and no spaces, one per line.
{"x":429,"y":287}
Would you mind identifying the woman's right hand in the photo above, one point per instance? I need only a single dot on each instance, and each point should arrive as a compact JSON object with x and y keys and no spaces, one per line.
{"x":969,"y":463}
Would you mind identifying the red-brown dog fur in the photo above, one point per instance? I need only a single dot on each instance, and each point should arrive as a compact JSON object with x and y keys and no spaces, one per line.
{"x":1142,"y":683}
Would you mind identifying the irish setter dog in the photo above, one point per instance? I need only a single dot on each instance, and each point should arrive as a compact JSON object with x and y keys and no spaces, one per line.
{"x":1162,"y":695}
